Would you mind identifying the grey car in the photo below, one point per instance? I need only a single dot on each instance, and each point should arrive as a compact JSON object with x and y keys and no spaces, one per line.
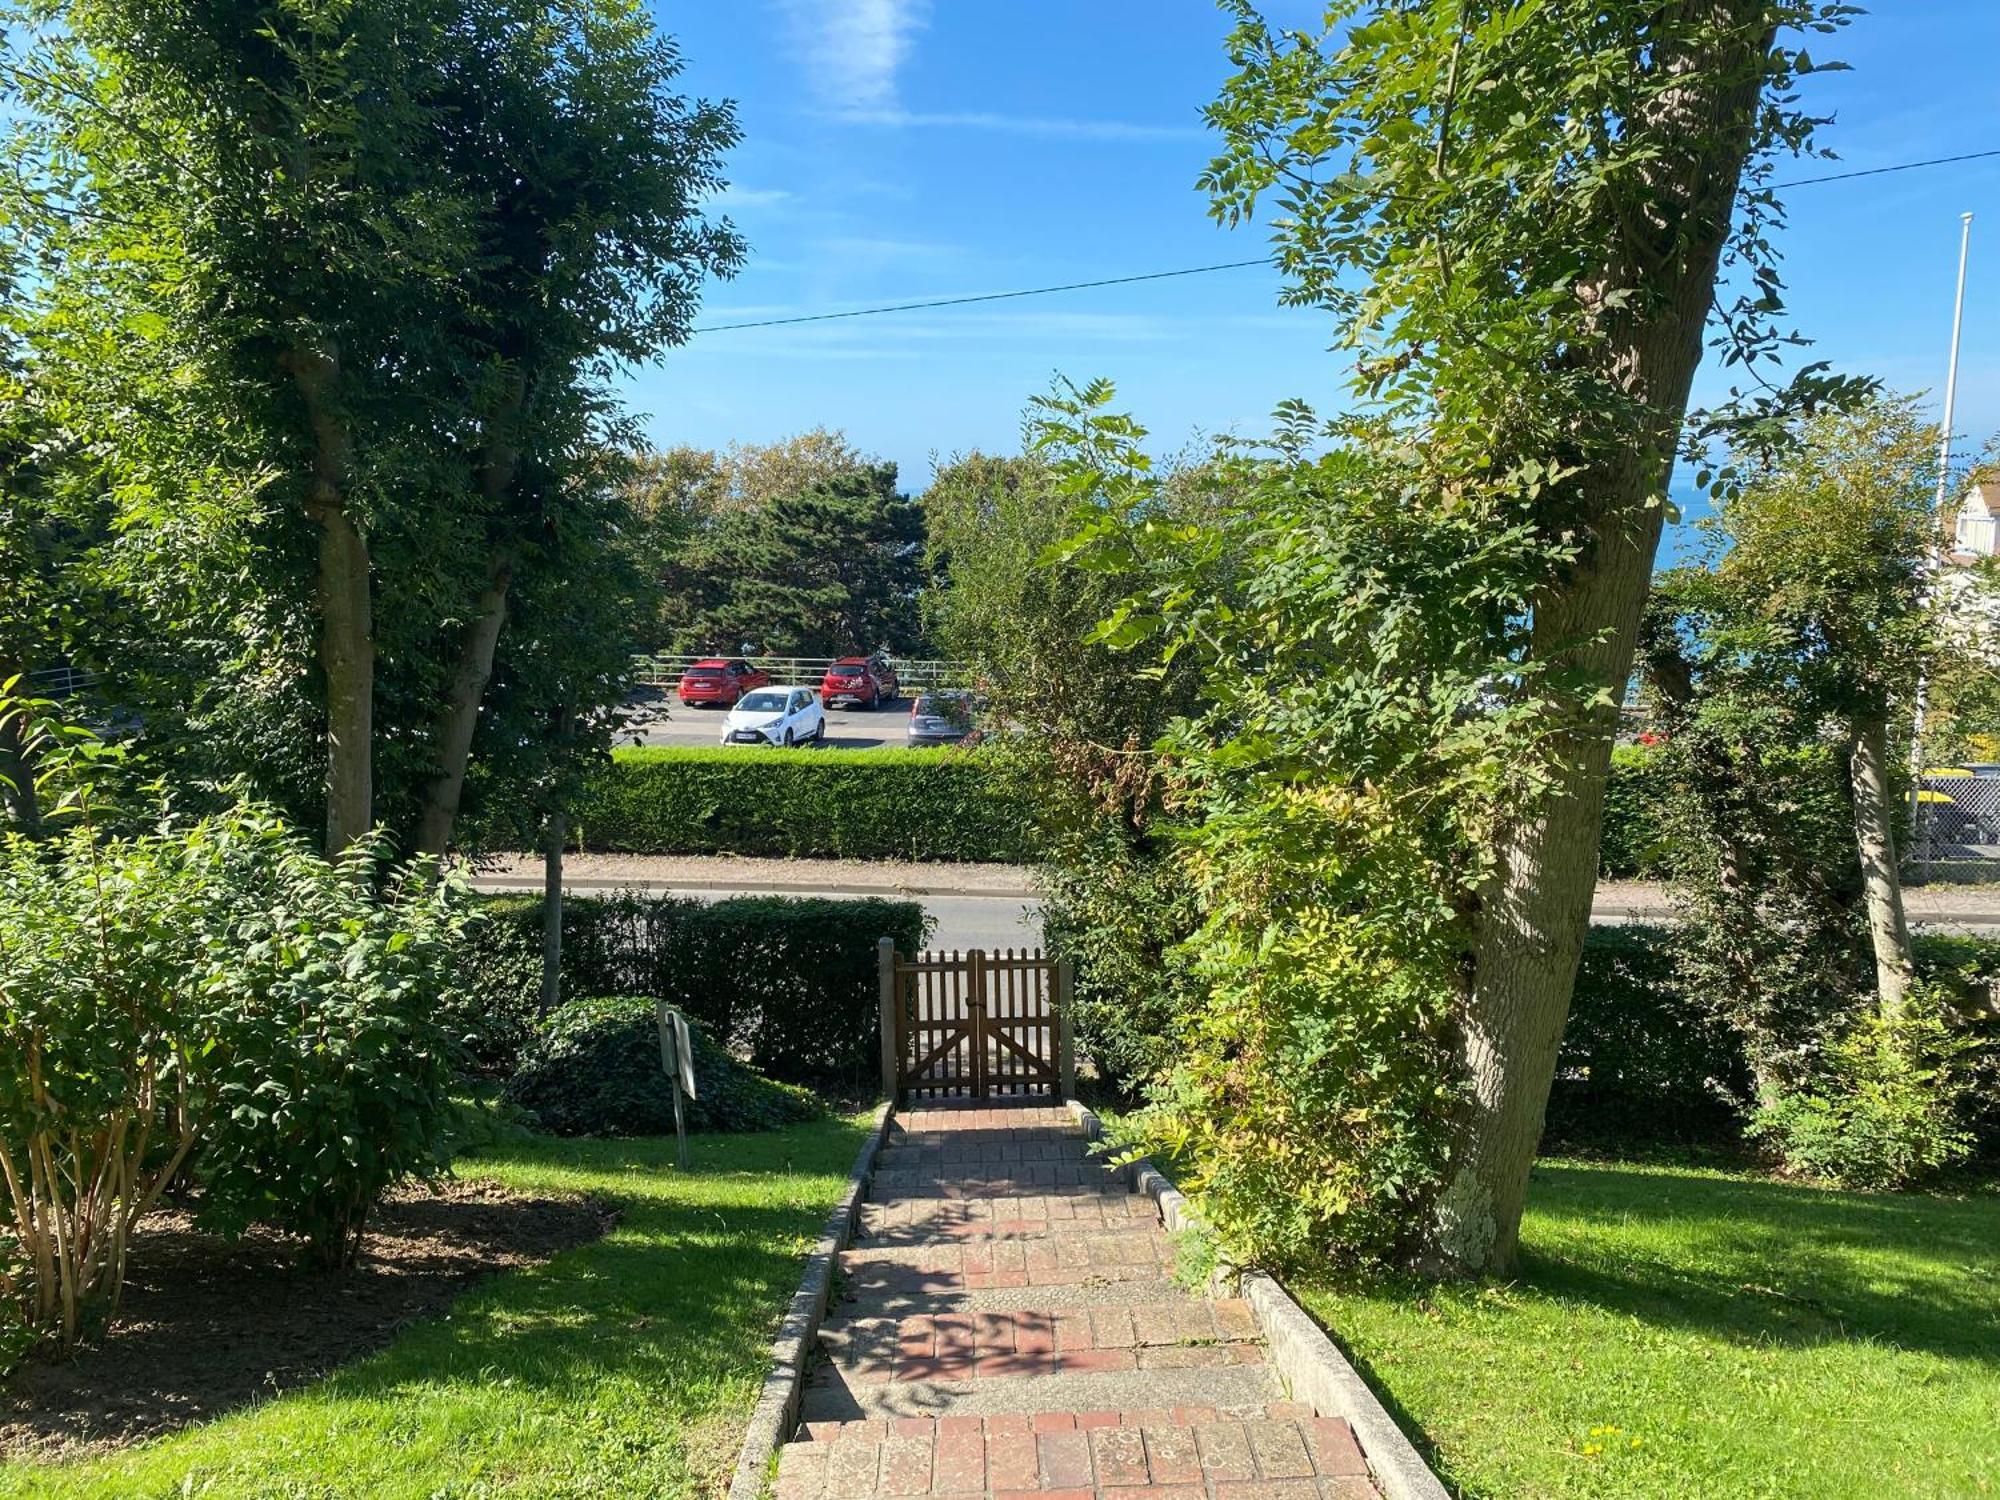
{"x":941,"y":718}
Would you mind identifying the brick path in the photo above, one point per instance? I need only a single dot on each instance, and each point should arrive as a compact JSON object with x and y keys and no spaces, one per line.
{"x":1005,"y":1325}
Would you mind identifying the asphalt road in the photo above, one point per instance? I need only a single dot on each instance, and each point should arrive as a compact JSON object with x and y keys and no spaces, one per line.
{"x":986,"y":920}
{"x":671,"y":723}
{"x":961,"y":921}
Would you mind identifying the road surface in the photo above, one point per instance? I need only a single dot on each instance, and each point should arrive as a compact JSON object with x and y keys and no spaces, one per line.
{"x":993,"y":906}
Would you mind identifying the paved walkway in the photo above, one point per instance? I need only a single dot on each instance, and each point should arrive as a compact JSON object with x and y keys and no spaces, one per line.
{"x":1005,"y":1324}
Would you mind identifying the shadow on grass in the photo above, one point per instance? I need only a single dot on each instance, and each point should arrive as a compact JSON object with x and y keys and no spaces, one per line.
{"x":1770,"y":1262}
{"x":685,"y":1288}
{"x":1750,"y":1261}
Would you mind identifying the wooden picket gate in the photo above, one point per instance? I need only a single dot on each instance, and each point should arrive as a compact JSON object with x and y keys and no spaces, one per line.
{"x":976,"y":1025}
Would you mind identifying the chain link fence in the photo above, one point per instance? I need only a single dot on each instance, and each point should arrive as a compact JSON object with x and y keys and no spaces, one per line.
{"x":1957,"y":825}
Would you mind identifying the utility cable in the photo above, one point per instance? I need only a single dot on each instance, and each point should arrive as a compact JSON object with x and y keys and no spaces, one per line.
{"x":1227,"y":265}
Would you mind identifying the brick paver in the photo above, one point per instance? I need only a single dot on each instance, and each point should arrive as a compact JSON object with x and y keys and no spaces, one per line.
{"x":1007,"y":1325}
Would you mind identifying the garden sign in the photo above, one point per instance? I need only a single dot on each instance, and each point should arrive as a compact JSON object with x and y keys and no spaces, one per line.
{"x":677,"y":1059}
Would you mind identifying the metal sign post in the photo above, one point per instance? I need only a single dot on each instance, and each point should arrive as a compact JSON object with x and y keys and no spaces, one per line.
{"x":677,"y":1061}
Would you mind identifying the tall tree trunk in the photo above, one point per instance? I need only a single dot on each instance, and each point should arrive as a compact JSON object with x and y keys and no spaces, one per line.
{"x":500,"y":465}
{"x":1875,"y":841}
{"x":553,"y":838}
{"x":1530,"y":925}
{"x":346,"y":606}
{"x":461,"y":710}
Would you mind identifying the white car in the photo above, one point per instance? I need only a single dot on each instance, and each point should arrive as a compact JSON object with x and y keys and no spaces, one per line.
{"x":775,"y":716}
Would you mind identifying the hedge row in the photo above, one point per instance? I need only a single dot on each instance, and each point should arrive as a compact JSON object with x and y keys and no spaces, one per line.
{"x":788,"y":984}
{"x":1643,"y":1062}
{"x":840,"y":804}
{"x":906,"y":804}
{"x":1632,"y":845}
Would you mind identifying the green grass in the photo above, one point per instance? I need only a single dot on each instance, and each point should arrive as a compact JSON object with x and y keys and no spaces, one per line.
{"x":624,"y":1367}
{"x":1740,"y":1337}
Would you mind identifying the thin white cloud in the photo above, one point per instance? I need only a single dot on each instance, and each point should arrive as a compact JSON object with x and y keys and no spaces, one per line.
{"x":1041,"y":125}
{"x":851,"y":49}
{"x":737,"y":197}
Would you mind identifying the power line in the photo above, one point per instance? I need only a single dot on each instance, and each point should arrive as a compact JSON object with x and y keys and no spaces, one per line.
{"x":1227,"y":265}
{"x":1906,"y":166}
{"x":1033,"y":291}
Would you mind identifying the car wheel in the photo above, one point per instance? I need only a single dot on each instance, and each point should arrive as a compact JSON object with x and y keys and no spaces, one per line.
{"x":788,"y":739}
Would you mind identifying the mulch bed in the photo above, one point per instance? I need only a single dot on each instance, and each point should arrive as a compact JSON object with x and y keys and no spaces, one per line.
{"x":206,"y":1325}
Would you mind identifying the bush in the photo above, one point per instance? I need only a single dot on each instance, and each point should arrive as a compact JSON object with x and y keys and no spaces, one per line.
{"x":1884,"y":1111}
{"x":213,"y":999}
{"x":1644,"y":1063}
{"x":1636,"y":841}
{"x":1629,"y":847}
{"x":1120,"y":913}
{"x":790,"y":983}
{"x":328,"y":1070}
{"x":1639,"y":1062}
{"x":844,"y":804}
{"x":596,"y":1070}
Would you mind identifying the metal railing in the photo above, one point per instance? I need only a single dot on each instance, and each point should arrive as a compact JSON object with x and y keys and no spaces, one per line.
{"x":916,"y":674}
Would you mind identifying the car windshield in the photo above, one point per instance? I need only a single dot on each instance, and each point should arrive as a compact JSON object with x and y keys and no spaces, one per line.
{"x":941,"y":708}
{"x":762,"y":702}
{"x":703,"y":674}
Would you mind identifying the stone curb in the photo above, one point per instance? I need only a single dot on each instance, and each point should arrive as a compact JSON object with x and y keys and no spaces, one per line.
{"x":496,"y":885}
{"x":1311,"y":1364}
{"x":777,"y":1409}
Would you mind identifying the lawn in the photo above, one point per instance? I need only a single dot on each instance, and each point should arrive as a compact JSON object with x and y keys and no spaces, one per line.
{"x":1702,"y":1333}
{"x":625,"y":1367}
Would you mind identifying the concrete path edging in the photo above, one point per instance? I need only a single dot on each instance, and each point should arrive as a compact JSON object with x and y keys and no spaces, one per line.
{"x":1311,"y":1364}
{"x":777,"y":1409}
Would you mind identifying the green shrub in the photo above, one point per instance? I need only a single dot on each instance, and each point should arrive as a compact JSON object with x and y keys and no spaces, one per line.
{"x":595,"y":1069}
{"x":208,"y":998}
{"x":790,"y":983}
{"x":845,"y":804}
{"x":1884,"y":1111}
{"x":1120,"y":913}
{"x":1639,"y":1063}
{"x":327,"y":1071}
{"x":1636,"y":841}
{"x":1629,"y":846}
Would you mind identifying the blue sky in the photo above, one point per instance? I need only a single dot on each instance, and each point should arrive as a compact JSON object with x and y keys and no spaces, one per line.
{"x":896,"y":150}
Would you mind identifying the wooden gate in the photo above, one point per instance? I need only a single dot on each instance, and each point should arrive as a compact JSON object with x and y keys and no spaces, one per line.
{"x":976,"y":1025}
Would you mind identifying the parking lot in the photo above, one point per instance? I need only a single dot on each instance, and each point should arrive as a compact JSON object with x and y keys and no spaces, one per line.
{"x":667,"y":722}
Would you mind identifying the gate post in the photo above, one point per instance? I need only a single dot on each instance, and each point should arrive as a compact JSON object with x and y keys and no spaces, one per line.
{"x":885,"y":972}
{"x":975,"y":1016}
{"x":1065,"y":1038}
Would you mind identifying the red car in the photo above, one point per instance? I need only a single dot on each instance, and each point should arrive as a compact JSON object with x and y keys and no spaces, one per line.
{"x":720,"y":682}
{"x":868,"y":681}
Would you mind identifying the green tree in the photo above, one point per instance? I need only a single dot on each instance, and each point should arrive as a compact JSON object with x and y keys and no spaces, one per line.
{"x":835,"y":568}
{"x":1518,"y":219}
{"x":1828,"y":556}
{"x":1084,"y":714}
{"x":1784,"y":670}
{"x":403,"y":242}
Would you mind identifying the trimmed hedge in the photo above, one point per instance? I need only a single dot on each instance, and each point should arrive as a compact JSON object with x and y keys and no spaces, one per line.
{"x":788,"y":983}
{"x":595,"y":1070}
{"x":841,"y":804}
{"x":946,"y":805}
{"x":1630,"y":845}
{"x":1638,"y":1061}
{"x":1642,"y":1064}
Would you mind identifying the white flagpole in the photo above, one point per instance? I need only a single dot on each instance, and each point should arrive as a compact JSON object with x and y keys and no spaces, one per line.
{"x":1938,"y":511}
